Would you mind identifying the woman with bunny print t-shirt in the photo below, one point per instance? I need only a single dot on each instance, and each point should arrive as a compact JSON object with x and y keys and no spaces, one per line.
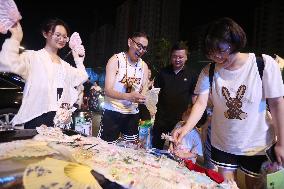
{"x":239,"y":109}
{"x":239,"y":133}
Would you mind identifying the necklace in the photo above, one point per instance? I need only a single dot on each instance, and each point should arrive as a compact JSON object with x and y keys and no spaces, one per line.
{"x":129,"y":83}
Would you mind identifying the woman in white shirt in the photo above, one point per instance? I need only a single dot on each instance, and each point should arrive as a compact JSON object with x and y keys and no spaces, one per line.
{"x":239,"y":133}
{"x":49,"y":80}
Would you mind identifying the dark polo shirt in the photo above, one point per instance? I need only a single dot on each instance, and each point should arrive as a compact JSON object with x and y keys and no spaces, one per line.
{"x":175,"y":94}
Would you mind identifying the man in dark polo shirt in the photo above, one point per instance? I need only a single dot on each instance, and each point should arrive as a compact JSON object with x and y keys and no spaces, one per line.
{"x":177,"y":85}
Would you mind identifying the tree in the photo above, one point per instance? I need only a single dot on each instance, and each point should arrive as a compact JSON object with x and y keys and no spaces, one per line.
{"x":161,"y":54}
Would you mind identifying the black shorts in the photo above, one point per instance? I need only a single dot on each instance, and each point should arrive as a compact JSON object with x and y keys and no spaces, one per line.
{"x":250,"y":165}
{"x":114,"y":123}
{"x":46,"y":119}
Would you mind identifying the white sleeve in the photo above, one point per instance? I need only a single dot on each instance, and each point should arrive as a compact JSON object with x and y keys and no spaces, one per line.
{"x":203,"y":84}
{"x":272,"y":80}
{"x":12,"y":61}
{"x":77,"y":75}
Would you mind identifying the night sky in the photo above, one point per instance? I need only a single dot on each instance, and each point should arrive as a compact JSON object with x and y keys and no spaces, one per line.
{"x":78,"y":15}
{"x":200,"y":12}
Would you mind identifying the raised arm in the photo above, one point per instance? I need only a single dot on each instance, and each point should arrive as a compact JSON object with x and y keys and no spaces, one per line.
{"x":11,"y":60}
{"x":79,"y":74}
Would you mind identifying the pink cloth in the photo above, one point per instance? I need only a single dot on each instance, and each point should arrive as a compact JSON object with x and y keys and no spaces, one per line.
{"x":210,"y":173}
{"x":9,"y":15}
{"x":75,"y":44}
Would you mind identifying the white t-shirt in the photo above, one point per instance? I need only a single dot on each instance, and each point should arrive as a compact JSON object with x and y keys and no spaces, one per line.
{"x":238,"y":121}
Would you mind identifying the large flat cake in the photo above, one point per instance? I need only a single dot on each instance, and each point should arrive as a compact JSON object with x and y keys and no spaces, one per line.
{"x":129,"y":167}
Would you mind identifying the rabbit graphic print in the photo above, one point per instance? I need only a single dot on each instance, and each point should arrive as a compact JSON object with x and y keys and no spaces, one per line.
{"x":239,"y":98}
{"x":234,"y":104}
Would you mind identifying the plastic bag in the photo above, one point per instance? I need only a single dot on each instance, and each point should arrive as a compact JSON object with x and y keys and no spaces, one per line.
{"x":152,"y":100}
{"x":273,"y":175}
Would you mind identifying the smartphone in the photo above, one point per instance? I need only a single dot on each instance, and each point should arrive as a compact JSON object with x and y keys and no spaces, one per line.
{"x":270,"y":153}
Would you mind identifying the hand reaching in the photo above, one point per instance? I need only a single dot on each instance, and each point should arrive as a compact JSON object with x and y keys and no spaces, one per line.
{"x":178,"y":134}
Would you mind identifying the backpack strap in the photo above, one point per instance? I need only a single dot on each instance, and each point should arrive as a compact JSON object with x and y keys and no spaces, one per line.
{"x":259,"y":62}
{"x":260,"y":65}
{"x":211,"y":73}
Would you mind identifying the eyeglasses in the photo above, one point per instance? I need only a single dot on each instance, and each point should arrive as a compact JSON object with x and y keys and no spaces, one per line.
{"x":220,"y":53}
{"x":58,"y":36}
{"x":140,"y":46}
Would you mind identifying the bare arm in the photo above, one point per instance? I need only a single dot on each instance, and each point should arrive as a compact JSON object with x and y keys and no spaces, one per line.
{"x":111,"y":70}
{"x":196,"y":113}
{"x":193,"y":98}
{"x":277,"y":111}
